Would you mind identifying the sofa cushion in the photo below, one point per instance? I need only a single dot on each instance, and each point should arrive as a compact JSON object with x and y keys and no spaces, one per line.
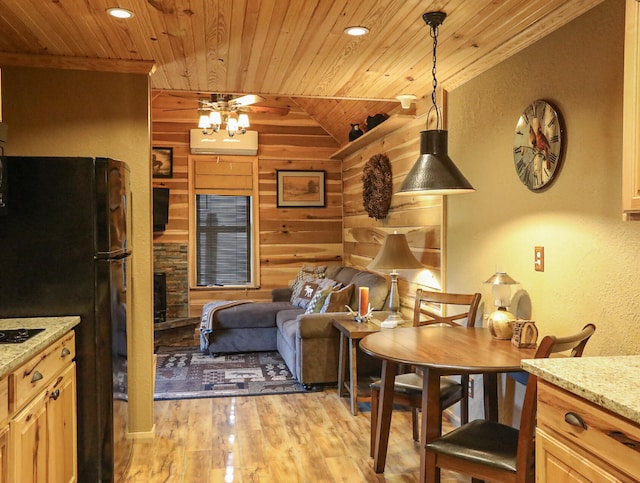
{"x":288,"y":314}
{"x":378,"y":289}
{"x":254,"y":314}
{"x":307,"y":271}
{"x":345,"y":275}
{"x":308,"y":288}
{"x":338,"y":298}
{"x":332,"y":271}
{"x":288,"y":330}
{"x":317,"y":302}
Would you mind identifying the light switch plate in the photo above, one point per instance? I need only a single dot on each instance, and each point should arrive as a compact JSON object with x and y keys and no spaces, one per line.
{"x":539,"y":259}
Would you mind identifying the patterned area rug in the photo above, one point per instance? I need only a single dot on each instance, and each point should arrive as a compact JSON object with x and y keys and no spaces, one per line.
{"x":187,"y":373}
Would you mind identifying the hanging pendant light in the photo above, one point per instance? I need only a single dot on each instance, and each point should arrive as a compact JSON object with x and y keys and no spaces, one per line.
{"x":434,"y":172}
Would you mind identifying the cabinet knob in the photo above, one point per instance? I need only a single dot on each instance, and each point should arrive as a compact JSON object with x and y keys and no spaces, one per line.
{"x":575,"y":420}
{"x":36,"y":376}
{"x":65,"y":352}
{"x":55,"y":394}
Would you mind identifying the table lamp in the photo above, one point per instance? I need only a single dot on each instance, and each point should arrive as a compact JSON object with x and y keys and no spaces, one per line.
{"x":395,"y":254}
{"x":500,"y":321}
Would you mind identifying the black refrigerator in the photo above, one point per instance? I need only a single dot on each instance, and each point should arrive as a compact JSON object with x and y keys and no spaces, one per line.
{"x":64,"y":251}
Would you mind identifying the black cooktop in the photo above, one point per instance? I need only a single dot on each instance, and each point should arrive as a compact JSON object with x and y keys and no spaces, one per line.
{"x":17,"y":336}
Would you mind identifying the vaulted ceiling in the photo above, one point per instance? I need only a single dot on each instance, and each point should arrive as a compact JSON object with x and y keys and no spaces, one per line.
{"x":292,"y":51}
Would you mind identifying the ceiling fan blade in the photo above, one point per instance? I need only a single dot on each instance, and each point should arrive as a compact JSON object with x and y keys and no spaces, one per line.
{"x":245,"y":100}
{"x":283,"y":111}
{"x":178,"y":109}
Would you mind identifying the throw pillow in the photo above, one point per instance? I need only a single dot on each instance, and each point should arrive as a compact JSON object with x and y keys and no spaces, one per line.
{"x":305,"y":271}
{"x":337,"y":299}
{"x":317,"y":302}
{"x":308,"y":288}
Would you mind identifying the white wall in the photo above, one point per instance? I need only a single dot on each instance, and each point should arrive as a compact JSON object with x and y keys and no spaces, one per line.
{"x":592,"y":262}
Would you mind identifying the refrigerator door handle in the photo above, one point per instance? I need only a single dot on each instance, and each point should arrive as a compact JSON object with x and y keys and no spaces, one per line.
{"x":109,"y":257}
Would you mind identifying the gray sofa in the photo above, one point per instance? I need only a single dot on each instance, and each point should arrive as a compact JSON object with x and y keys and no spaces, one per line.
{"x":308,"y":343}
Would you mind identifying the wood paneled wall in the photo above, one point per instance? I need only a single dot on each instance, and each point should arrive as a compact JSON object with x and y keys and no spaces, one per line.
{"x":420,"y":218}
{"x":289,"y":237}
{"x":341,"y":232}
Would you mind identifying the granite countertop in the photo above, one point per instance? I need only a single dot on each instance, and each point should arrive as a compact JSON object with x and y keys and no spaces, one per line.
{"x":610,"y":382}
{"x":13,"y":356}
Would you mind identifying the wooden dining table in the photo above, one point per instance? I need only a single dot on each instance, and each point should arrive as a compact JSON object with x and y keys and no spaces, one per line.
{"x":438,"y":351}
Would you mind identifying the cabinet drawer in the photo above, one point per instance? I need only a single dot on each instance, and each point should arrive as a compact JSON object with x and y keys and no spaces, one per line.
{"x":35,"y":374}
{"x":612,"y":438}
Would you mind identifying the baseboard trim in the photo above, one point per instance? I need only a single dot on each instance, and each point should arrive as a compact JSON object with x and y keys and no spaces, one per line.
{"x":143,"y":435}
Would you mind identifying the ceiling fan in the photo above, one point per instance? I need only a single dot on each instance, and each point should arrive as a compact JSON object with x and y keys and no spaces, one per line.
{"x":224,"y":109}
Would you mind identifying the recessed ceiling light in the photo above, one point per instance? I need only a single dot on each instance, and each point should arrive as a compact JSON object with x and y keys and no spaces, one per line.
{"x":120,"y":12}
{"x":356,"y":31}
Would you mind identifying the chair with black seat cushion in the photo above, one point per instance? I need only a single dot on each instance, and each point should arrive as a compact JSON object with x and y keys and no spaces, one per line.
{"x":428,"y":310}
{"x":492,"y":451}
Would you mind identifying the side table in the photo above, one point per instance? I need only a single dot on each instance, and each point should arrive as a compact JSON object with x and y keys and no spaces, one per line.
{"x":352,"y":331}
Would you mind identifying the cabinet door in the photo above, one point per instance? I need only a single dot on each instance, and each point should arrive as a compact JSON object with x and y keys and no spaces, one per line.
{"x":61,"y":428}
{"x":631,"y":113}
{"x":28,"y":443}
{"x":4,"y":456}
{"x":556,"y":461}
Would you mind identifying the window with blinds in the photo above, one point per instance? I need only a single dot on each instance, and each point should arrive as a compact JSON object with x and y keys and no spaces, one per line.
{"x":223,"y":238}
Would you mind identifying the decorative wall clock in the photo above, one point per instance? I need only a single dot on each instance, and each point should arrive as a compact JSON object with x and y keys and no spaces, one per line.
{"x":538,"y":145}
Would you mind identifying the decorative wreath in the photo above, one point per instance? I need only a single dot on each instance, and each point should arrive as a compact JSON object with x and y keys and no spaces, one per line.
{"x":377,"y":185}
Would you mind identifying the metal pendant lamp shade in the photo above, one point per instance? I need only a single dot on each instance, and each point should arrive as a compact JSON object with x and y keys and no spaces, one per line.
{"x":434,"y":172}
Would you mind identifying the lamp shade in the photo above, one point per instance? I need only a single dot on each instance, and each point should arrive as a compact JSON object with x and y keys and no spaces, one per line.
{"x":434,"y":172}
{"x":395,"y":254}
{"x":501,"y":278}
{"x":501,"y":288}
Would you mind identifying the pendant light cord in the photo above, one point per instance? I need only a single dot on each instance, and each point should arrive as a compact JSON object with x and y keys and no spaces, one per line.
{"x":434,"y":35}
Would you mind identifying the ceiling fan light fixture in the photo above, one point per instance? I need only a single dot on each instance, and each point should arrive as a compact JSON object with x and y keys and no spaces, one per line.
{"x":243,"y":121}
{"x":356,"y":30}
{"x":232,"y":126}
{"x":118,"y":12}
{"x":215,"y":119}
{"x":204,"y":122}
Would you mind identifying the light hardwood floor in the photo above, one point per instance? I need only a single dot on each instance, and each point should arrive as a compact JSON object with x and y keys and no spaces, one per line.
{"x":292,"y":438}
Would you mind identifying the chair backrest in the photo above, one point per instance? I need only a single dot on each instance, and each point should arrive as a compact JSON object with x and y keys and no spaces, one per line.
{"x":549,"y":345}
{"x":425,"y":312}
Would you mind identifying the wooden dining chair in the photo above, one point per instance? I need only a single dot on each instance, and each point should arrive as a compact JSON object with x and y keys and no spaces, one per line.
{"x":487,"y":450}
{"x":428,"y":310}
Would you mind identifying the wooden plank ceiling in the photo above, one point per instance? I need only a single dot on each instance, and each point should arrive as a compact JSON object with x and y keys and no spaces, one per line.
{"x":284,"y":49}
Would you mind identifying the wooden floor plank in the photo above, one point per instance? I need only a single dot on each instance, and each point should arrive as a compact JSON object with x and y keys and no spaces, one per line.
{"x":271,"y":439}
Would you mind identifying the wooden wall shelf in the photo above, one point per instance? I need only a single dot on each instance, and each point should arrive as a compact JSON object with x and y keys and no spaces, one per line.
{"x":391,"y":124}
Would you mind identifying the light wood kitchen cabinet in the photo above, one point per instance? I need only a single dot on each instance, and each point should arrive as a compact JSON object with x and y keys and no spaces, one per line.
{"x":578,"y":441}
{"x":42,"y":426}
{"x":4,"y":454}
{"x":4,"y":430}
{"x":631,"y":113}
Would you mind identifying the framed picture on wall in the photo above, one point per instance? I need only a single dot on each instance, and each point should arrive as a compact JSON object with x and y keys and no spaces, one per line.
{"x":300,"y":188}
{"x":162,"y":162}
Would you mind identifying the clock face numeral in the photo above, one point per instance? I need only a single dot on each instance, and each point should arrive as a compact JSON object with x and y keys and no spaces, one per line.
{"x":537,"y":146}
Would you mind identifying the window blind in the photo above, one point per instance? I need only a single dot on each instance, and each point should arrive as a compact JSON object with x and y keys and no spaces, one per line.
{"x":223,"y":233}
